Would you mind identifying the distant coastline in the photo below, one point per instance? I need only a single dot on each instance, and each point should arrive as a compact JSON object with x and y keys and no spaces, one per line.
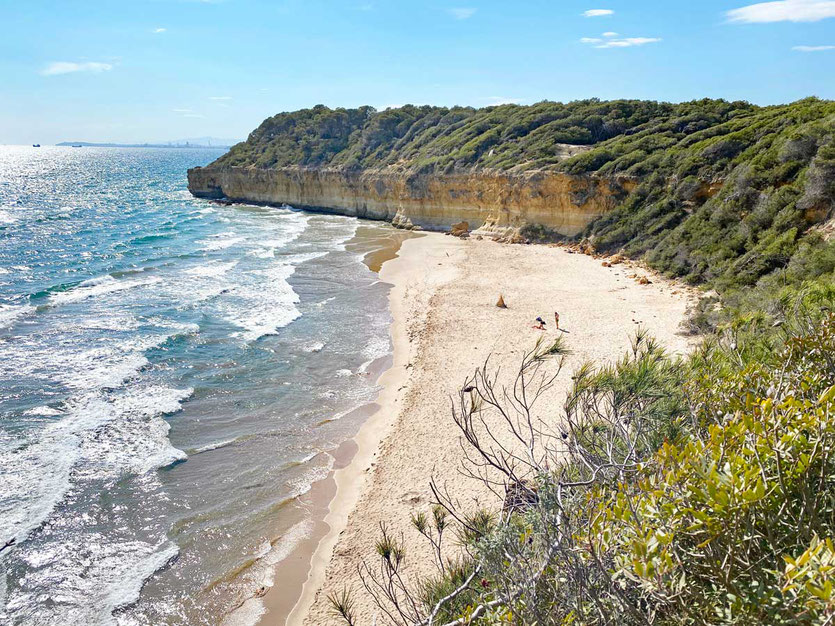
{"x":87,"y":144}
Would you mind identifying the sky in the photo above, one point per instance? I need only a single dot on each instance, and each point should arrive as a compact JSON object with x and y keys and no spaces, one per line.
{"x":160,"y":70}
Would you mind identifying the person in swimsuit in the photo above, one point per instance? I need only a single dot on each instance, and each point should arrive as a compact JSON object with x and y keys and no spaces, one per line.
{"x":540,"y":324}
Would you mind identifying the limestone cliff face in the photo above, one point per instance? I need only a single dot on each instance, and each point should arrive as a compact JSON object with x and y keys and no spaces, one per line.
{"x":493,"y":203}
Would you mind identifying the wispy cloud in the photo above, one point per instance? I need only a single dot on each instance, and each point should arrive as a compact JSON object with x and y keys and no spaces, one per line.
{"x":220,"y":97}
{"x":813,"y":48}
{"x":159,"y":30}
{"x":783,"y":11}
{"x":598,"y":12}
{"x":67,"y":67}
{"x":182,"y":110}
{"x":195,"y":115}
{"x":610,"y":34}
{"x":462,"y":13}
{"x":620,"y":42}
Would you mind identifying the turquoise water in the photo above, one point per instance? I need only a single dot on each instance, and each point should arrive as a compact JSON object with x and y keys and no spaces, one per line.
{"x":171,"y":373}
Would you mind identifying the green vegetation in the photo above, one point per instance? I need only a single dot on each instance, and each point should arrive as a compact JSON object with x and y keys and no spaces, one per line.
{"x":725,"y":193}
{"x":671,"y":492}
{"x":438,"y":139}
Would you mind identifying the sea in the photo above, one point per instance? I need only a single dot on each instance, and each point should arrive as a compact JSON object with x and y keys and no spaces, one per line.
{"x":174,"y":373}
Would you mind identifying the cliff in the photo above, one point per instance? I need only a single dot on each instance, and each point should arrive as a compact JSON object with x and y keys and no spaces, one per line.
{"x":711,"y":191}
{"x":496,"y":203}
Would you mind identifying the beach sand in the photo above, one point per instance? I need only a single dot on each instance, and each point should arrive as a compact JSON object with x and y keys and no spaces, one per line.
{"x":445,"y":324}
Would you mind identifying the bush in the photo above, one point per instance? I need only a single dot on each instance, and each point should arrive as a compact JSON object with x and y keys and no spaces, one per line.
{"x":672,"y":492}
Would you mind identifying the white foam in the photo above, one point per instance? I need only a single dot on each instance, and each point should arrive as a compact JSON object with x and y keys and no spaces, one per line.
{"x":221,"y":241}
{"x":133,"y":439}
{"x":96,"y":287}
{"x":6,"y":217}
{"x":113,"y":436}
{"x":35,"y":478}
{"x":90,"y":575}
{"x":213,"y":446}
{"x":43,"y":411}
{"x":264,"y":306}
{"x":316,"y":346}
{"x":264,"y":253}
{"x":263,"y":572}
{"x":215,"y":269}
{"x":10,"y":313}
{"x":377,"y":347}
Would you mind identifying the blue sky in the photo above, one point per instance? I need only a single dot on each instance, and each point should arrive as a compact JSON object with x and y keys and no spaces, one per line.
{"x":150,"y":70}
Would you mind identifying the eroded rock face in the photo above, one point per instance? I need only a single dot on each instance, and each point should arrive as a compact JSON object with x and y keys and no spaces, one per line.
{"x":491,"y":204}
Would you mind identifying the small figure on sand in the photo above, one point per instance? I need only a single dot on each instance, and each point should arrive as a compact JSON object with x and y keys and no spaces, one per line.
{"x":557,"y":320}
{"x":540,"y":324}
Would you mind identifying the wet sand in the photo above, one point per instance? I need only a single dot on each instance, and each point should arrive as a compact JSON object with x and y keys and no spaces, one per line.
{"x":275,"y":604}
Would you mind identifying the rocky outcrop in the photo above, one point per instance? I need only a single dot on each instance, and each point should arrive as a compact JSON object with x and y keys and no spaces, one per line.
{"x":494,"y":204}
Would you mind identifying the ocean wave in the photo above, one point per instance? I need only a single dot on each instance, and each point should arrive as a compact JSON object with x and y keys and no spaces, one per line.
{"x":316,"y":346}
{"x":264,"y":307}
{"x":133,"y":437}
{"x":212,"y":270}
{"x":35,"y":479}
{"x":102,"y":437}
{"x":11,"y":313}
{"x":261,"y":573}
{"x":150,"y":238}
{"x":264,"y":253}
{"x":377,"y":347}
{"x":93,"y":575}
{"x":211,"y":446}
{"x":220,"y":241}
{"x":6,"y":217}
{"x":43,"y":411}
{"x":96,"y":287}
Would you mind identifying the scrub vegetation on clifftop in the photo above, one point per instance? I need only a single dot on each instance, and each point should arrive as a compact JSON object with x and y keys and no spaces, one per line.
{"x":721,"y":193}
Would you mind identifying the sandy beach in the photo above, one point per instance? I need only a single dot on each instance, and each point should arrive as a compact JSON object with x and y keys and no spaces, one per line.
{"x":445,"y":324}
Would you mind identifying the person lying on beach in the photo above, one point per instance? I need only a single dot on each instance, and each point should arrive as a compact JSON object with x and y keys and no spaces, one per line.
{"x":540,"y":325}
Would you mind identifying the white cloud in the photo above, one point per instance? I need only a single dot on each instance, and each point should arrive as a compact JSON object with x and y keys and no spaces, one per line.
{"x":598,"y":12}
{"x":220,"y":97}
{"x":813,"y":48}
{"x":610,"y":34}
{"x":182,"y":110}
{"x":783,"y":11}
{"x":462,"y":13}
{"x":195,"y":115}
{"x":160,"y":30}
{"x":622,"y":42}
{"x":66,"y":67}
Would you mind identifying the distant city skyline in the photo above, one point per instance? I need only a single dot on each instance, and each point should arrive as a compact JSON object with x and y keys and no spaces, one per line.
{"x":132,"y":72}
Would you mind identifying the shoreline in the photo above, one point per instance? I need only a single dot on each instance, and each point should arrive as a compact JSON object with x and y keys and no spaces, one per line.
{"x":348,"y":480}
{"x":380,"y":474}
{"x":445,"y":324}
{"x":278,"y":602}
